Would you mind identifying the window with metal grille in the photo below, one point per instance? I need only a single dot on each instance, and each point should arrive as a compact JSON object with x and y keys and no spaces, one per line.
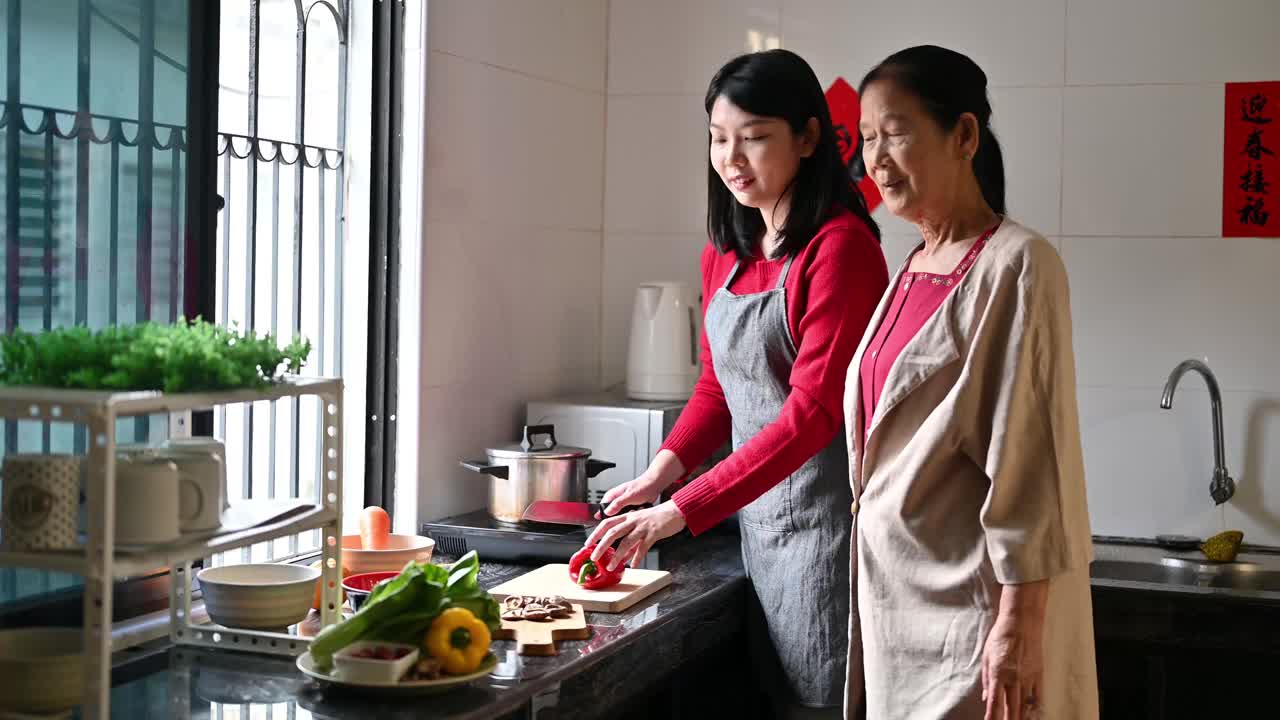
{"x":92,"y":191}
{"x":281,"y":241}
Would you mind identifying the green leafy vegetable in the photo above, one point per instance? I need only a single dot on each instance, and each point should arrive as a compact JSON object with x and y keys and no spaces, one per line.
{"x":402,"y":608}
{"x":182,"y":357}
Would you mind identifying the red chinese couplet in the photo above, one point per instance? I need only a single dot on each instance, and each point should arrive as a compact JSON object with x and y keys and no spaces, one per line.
{"x":845,"y":108}
{"x":1251,"y":160}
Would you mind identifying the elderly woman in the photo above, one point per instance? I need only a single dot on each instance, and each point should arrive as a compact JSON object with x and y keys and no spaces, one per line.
{"x":971,"y":534}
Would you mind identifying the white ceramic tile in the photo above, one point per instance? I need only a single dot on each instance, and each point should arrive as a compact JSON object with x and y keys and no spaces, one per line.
{"x":676,"y":46}
{"x":1255,"y":509}
{"x":1142,"y":161}
{"x":656,"y":180}
{"x":561,"y":40}
{"x":1148,"y":469}
{"x":511,"y":304}
{"x":1171,"y":41}
{"x":1028,"y":124}
{"x":631,"y":259}
{"x":458,"y":423}
{"x":896,"y":247}
{"x":510,"y":147}
{"x":1017,"y":42}
{"x":1141,"y":306}
{"x":891,"y":224}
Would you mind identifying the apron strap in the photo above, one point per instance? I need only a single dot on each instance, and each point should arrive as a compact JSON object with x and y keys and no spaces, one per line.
{"x":786,"y":268}
{"x":733,"y":274}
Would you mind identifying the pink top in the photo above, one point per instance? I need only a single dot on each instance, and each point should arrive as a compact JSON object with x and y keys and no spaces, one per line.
{"x":916,"y":297}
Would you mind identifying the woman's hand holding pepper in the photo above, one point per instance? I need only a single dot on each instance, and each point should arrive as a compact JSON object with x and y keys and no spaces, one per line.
{"x":637,"y":530}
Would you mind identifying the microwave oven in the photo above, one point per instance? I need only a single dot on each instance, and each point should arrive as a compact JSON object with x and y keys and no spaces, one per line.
{"x":616,"y":428}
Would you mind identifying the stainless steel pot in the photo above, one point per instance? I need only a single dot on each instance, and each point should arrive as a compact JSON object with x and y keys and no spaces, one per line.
{"x":526,"y":471}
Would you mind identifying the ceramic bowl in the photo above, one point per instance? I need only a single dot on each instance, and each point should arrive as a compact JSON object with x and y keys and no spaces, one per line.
{"x":261,"y":596}
{"x":400,"y":550}
{"x":374,"y":662}
{"x":359,"y":586}
{"x":41,"y":669}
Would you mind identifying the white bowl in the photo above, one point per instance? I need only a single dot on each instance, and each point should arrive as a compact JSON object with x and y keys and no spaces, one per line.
{"x":400,"y":550}
{"x":41,"y":669}
{"x":371,"y":670}
{"x":261,"y":596}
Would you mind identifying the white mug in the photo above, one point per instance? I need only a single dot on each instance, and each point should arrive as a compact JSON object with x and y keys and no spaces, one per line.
{"x":41,"y":502}
{"x":216,"y":453}
{"x":146,"y":499}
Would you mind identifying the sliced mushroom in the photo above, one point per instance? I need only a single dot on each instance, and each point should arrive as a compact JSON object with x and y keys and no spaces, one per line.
{"x":513,"y":614}
{"x":537,"y":615}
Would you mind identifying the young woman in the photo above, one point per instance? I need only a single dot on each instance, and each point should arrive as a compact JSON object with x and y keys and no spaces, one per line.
{"x":790,"y":277}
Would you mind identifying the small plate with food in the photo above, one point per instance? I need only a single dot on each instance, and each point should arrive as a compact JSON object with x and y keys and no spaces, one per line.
{"x":424,"y":676}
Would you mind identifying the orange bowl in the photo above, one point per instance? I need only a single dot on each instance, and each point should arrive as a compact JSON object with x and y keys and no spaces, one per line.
{"x":400,"y":550}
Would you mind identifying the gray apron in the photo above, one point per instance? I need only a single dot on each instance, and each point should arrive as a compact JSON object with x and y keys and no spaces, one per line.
{"x":796,"y":536}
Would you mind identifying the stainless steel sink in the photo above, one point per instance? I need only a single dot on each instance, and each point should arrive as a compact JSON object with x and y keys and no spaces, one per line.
{"x":1179,"y":572}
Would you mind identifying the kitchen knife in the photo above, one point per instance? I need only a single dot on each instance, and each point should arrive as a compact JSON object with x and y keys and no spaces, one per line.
{"x":558,"y":512}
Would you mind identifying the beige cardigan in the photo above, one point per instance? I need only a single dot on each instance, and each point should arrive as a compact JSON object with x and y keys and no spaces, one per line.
{"x":972,"y":477}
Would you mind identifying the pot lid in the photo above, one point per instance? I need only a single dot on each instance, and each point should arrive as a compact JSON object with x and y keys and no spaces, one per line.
{"x":539,"y":442}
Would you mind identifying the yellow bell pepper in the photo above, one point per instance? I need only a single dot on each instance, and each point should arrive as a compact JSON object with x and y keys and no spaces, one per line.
{"x":458,"y":639}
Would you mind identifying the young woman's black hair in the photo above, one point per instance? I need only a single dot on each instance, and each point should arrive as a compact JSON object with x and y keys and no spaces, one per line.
{"x":780,"y":84}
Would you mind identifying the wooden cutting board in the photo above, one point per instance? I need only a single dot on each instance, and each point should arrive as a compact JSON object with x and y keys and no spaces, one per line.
{"x":538,"y":637}
{"x":636,"y":585}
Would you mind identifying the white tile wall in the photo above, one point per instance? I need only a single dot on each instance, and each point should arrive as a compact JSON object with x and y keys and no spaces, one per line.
{"x":462,"y":420}
{"x":1143,"y":160}
{"x":505,"y":145}
{"x":559,"y":40}
{"x":1017,"y":42}
{"x":1171,"y":41}
{"x":1149,"y":469}
{"x":512,"y":240}
{"x":510,"y":301}
{"x":629,"y":260}
{"x":1110,"y":115}
{"x":656,"y":176}
{"x":676,"y":46}
{"x":897,"y":246}
{"x":1141,"y":306}
{"x":1028,"y":124}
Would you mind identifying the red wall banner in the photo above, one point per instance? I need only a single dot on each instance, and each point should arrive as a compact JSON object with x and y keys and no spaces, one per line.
{"x":842,"y":99}
{"x":1251,"y":163}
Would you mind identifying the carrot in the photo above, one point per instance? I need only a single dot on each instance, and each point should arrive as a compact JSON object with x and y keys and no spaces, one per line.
{"x":375,"y":528}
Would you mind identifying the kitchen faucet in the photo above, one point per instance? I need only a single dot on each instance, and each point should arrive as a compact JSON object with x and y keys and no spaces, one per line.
{"x":1222,"y":487}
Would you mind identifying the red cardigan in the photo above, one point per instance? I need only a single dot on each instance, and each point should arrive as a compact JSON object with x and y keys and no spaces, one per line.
{"x":833,"y":288}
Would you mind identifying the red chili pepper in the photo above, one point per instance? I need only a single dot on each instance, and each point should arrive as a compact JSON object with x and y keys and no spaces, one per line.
{"x":590,"y":574}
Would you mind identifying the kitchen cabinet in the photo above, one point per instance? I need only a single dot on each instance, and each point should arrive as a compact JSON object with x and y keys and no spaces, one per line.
{"x":1171,"y":655}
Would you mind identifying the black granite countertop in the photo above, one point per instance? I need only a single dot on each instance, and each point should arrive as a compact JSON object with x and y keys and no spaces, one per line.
{"x":704,"y":605}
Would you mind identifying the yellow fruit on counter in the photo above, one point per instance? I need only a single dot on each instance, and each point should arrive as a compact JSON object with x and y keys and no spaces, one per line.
{"x":458,"y":639}
{"x":1223,"y":546}
{"x":315,"y":599}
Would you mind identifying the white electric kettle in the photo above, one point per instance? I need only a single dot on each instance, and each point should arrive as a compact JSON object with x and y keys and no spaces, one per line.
{"x":662,"y":363}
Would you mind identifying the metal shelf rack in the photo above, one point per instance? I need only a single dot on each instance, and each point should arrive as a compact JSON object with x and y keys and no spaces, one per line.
{"x":101,"y":562}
